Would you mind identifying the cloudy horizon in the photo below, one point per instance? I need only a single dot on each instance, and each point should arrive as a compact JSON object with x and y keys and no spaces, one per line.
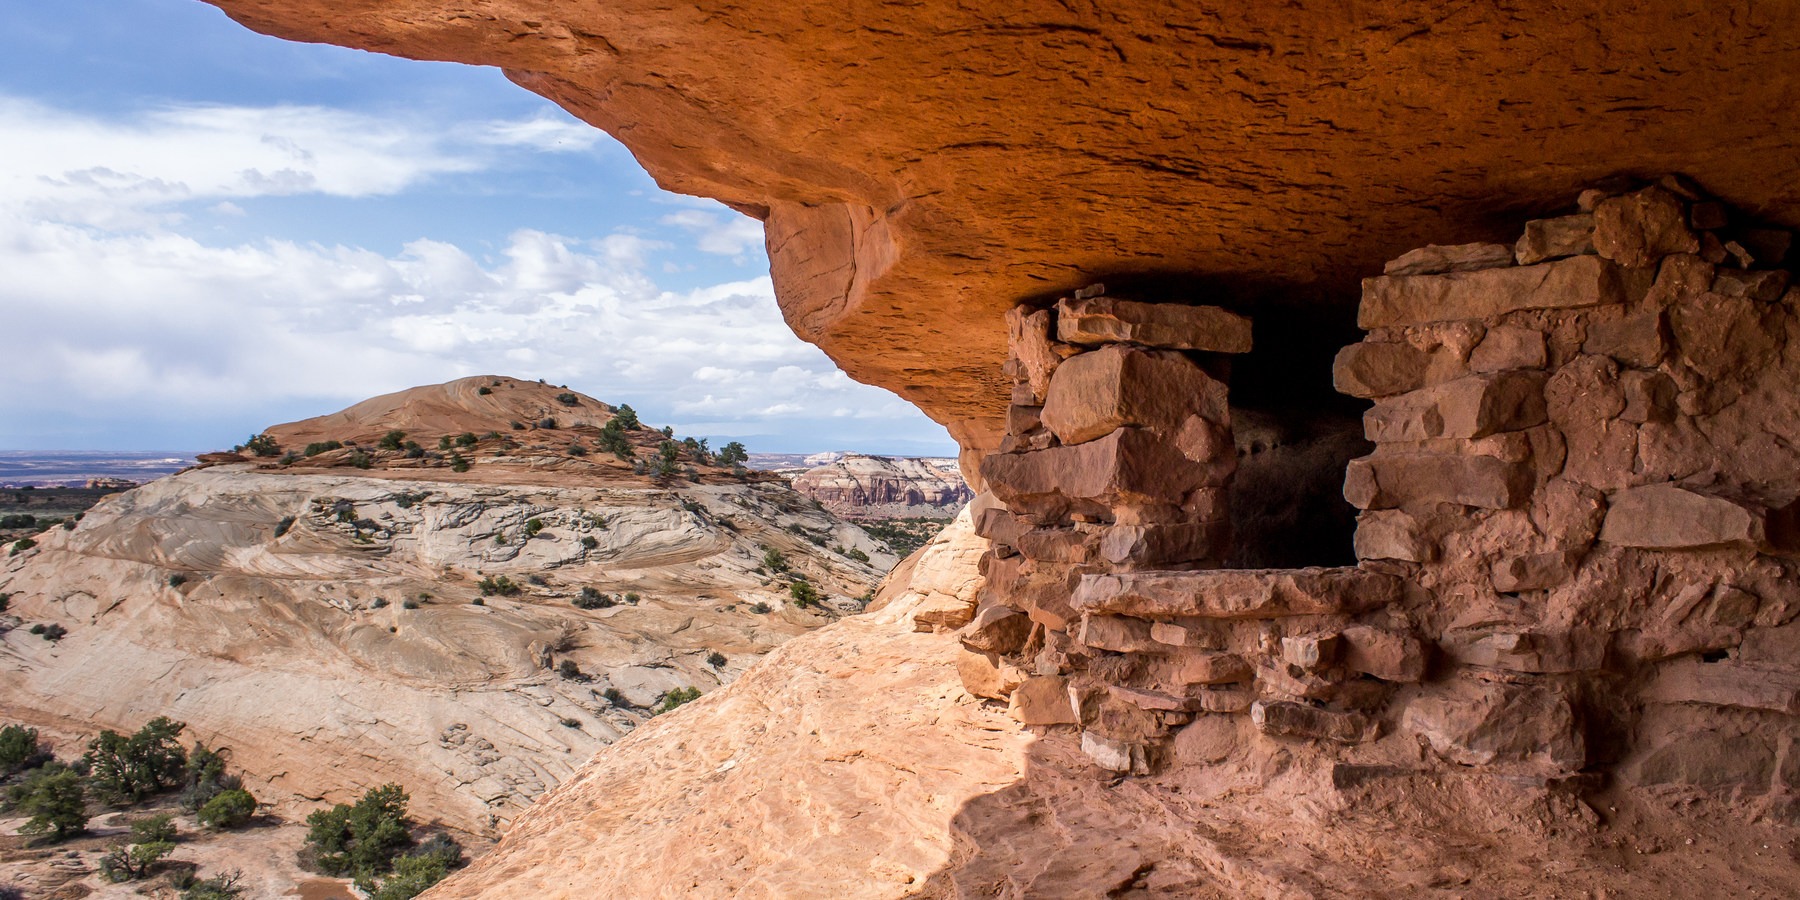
{"x":288,"y":229}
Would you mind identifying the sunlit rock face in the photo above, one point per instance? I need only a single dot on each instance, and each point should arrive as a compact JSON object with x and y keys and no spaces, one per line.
{"x":922,"y":167}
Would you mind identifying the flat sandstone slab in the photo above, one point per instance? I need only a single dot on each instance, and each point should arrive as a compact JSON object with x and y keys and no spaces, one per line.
{"x":1414,"y":299}
{"x":1236,"y":593}
{"x":1100,"y":320}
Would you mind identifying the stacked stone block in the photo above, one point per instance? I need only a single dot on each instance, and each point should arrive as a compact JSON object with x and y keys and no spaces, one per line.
{"x":1578,"y":536}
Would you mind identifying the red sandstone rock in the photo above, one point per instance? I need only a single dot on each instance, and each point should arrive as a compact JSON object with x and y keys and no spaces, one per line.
{"x":1121,"y":634}
{"x":1636,"y":340}
{"x":1236,"y":593}
{"x":1391,"y":534}
{"x":1483,"y":723}
{"x":1728,"y":683}
{"x":1028,"y":336}
{"x":988,"y":674}
{"x":1504,"y":347}
{"x":996,"y":629}
{"x":1042,"y":700}
{"x":1101,"y":320}
{"x":1094,"y":393}
{"x":1311,"y":651}
{"x":1555,"y":238}
{"x":1565,"y":284}
{"x":1130,"y":465}
{"x":1284,"y":718}
{"x":1466,"y":408}
{"x":1387,"y":655}
{"x":1385,"y":481}
{"x":1434,"y":259}
{"x":1379,"y":369}
{"x":1210,"y":667}
{"x":1669,"y":516}
{"x":1638,"y":229}
{"x":1151,"y":546}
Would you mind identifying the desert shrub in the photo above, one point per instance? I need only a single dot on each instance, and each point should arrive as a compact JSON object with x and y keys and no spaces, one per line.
{"x":392,"y":440}
{"x":289,"y":458}
{"x":378,"y":603}
{"x":668,"y":458}
{"x":626,"y":417}
{"x":426,"y":865}
{"x":218,"y":887}
{"x":501,"y":585}
{"x":204,"y":778}
{"x":761,"y":608}
{"x":547,"y":423}
{"x":733,"y":454}
{"x":37,"y":628}
{"x":126,"y":770}
{"x":575,"y":449}
{"x":261,"y":445}
{"x":56,"y":800}
{"x":20,"y":750}
{"x":228,"y":809}
{"x":484,"y":390}
{"x":568,"y":722}
{"x":857,"y":555}
{"x":317,"y":447}
{"x":804,"y":594}
{"x":533,"y":527}
{"x":414,"y":451}
{"x":715,"y":659}
{"x":361,"y":840}
{"x":676,"y":698}
{"x":5,"y":601}
{"x":409,"y":603}
{"x":568,"y":669}
{"x":53,"y":632}
{"x":478,"y":602}
{"x":151,"y":840}
{"x":668,"y":431}
{"x":773,"y":560}
{"x":612,"y":439}
{"x":466,"y":439}
{"x":592,"y":599}
{"x":361,"y":460}
{"x":282,"y":527}
{"x":631,"y":597}
{"x":21,"y":545}
{"x":444,"y":442}
{"x":615,"y":697}
{"x":177,"y":580}
{"x":568,"y":399}
{"x":589,"y":541}
{"x":457,"y":463}
{"x":18,"y":520}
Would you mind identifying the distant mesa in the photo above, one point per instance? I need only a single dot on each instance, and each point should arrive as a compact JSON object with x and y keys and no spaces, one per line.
{"x":478,"y":404}
{"x":859,"y":486}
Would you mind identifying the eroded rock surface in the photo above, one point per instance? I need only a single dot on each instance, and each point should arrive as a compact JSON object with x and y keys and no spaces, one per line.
{"x":922,"y":168}
{"x":860,"y":486}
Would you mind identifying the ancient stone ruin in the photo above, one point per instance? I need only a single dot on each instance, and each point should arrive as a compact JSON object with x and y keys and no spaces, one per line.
{"x":1578,"y":534}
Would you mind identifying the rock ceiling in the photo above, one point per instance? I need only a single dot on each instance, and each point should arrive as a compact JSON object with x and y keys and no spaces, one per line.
{"x":923,"y":166}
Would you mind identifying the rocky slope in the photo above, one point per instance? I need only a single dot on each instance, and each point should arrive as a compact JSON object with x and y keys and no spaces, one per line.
{"x":858,"y":486}
{"x":327,"y":624}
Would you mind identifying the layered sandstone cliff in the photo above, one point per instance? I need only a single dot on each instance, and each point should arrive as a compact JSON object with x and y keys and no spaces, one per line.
{"x":859,"y":486}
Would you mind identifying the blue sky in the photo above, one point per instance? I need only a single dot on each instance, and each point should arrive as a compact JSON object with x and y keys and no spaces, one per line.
{"x":205,"y":231}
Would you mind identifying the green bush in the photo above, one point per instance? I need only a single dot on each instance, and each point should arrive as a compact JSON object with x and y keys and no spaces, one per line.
{"x":126,"y":770}
{"x":715,"y":659}
{"x":177,"y":580}
{"x":261,"y":445}
{"x":502,"y":586}
{"x":55,"y":799}
{"x":632,"y":598}
{"x":228,"y":809}
{"x":361,"y":460}
{"x":568,"y":669}
{"x":218,"y":887}
{"x":590,"y":542}
{"x":733,"y":454}
{"x":804,"y":594}
{"x":857,"y":555}
{"x":626,"y":417}
{"x":466,"y":439}
{"x":53,"y":632}
{"x":205,"y":778}
{"x":21,"y":545}
{"x":444,"y":442}
{"x":547,"y":423}
{"x":318,"y":447}
{"x":568,"y":399}
{"x":425,"y":866}
{"x":151,"y":840}
{"x":484,"y":390}
{"x":393,"y":440}
{"x":359,"y":841}
{"x":282,"y":527}
{"x":614,"y":696}
{"x":18,"y":520}
{"x":20,"y":750}
{"x":533,"y":527}
{"x":773,"y":560}
{"x":676,"y":698}
{"x":592,"y":599}
{"x":761,"y":608}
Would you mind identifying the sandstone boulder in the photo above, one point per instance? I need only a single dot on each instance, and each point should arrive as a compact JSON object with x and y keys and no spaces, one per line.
{"x":1042,"y":700}
{"x":1638,"y":229}
{"x":1028,"y":336}
{"x":1555,"y":238}
{"x":1099,"y":320}
{"x":1434,"y":259}
{"x":1237,"y":593}
{"x":1128,"y":466}
{"x":1094,"y":393}
{"x":1471,"y":407}
{"x":1389,"y":480}
{"x":1564,"y":284}
{"x":1286,"y":718}
{"x":1387,"y":655}
{"x":1485,"y":723}
{"x":1669,"y":516}
{"x":1379,"y":369}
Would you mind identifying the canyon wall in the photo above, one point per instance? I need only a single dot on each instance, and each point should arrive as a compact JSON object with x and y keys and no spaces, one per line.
{"x":879,"y":487}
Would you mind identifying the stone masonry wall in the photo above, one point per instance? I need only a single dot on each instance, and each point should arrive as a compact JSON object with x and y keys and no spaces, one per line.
{"x":1578,"y":536}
